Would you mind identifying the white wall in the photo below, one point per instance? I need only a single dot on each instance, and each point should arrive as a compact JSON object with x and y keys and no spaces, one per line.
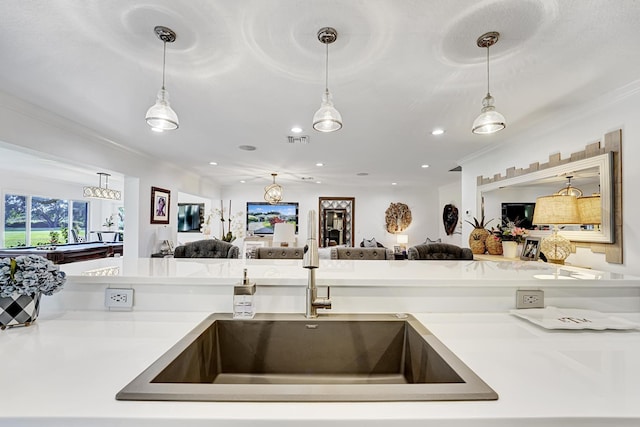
{"x":370,"y":207}
{"x":25,"y":125}
{"x":571,"y":132}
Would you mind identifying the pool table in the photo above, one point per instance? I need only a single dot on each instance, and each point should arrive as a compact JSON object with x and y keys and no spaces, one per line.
{"x":72,"y":252}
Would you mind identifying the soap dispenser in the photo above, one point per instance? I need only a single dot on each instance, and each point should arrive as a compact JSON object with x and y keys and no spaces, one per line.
{"x":243,"y":299}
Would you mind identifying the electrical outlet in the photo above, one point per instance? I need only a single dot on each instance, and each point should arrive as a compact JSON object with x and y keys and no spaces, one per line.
{"x":530,"y":299}
{"x":118,"y":298}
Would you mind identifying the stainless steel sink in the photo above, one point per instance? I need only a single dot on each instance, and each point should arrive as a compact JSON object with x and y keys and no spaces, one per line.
{"x":287,"y":357}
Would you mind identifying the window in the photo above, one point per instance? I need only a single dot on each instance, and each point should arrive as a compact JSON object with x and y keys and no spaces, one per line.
{"x":32,"y":220}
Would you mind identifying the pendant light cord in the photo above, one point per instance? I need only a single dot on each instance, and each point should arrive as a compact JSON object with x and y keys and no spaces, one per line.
{"x":488,"y":92}
{"x":326,"y":71}
{"x":164,"y":58}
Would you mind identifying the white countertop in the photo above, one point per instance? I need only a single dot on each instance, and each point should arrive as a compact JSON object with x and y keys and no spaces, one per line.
{"x":66,"y":369}
{"x":339,"y":273}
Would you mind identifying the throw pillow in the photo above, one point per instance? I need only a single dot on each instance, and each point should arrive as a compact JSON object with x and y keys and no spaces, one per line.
{"x":366,"y":243}
{"x":429,"y":241}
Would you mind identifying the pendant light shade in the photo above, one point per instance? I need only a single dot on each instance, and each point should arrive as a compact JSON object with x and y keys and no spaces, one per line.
{"x":161,"y":116}
{"x":489,"y":121}
{"x":101,"y":192}
{"x":273,"y":192}
{"x":327,"y":118}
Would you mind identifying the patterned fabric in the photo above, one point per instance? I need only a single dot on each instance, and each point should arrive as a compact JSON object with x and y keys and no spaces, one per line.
{"x":429,"y":241}
{"x":277,"y":253}
{"x":207,"y":248}
{"x":19,"y":310}
{"x":439,"y":251}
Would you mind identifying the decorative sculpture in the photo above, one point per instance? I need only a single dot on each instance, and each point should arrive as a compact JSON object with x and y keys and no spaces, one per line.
{"x":398,"y":217}
{"x":450,"y":218}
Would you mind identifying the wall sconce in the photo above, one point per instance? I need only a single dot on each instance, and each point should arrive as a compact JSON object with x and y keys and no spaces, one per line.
{"x":101,"y":192}
{"x":556,"y":210}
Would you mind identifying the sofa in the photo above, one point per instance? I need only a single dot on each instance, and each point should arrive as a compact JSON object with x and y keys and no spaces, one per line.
{"x":361,"y":253}
{"x":208,"y":248}
{"x":276,"y":252}
{"x":439,"y":251}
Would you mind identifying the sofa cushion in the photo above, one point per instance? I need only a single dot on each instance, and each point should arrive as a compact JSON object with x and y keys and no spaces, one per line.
{"x":277,"y":253}
{"x":361,"y":253}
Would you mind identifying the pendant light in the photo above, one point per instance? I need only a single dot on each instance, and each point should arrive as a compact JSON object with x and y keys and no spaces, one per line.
{"x":160,"y":116}
{"x":273,"y":192}
{"x":489,"y":120}
{"x":569,"y":190}
{"x":101,"y":192}
{"x":327,"y":118}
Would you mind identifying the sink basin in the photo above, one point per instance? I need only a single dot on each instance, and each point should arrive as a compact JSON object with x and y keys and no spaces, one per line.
{"x":287,"y":357}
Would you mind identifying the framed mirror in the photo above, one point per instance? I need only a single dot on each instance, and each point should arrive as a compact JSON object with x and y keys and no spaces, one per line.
{"x":593,"y":176}
{"x":336,"y":216}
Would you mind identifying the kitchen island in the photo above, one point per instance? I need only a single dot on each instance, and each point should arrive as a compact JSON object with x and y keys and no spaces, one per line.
{"x":66,"y":369}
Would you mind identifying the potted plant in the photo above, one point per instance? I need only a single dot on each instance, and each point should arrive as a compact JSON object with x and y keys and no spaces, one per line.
{"x":23,"y":280}
{"x":478,"y":235}
{"x":511,"y":236}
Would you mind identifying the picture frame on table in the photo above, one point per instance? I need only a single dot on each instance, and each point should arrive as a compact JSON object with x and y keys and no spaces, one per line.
{"x":160,"y":205}
{"x":530,"y":249}
{"x":250,"y":245}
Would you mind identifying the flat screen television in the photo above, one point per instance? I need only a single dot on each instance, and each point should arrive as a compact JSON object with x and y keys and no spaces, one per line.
{"x":190,"y":217}
{"x":521,"y":213}
{"x":261,"y":216}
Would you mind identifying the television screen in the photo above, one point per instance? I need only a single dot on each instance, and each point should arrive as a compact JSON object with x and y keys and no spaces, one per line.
{"x":261,"y":216}
{"x":190,"y":217}
{"x":520,"y":213}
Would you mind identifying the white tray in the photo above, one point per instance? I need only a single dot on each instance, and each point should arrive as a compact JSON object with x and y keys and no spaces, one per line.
{"x":573,"y":318}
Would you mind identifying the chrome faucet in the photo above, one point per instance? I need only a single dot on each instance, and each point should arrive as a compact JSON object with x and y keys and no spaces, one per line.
{"x":310,"y":261}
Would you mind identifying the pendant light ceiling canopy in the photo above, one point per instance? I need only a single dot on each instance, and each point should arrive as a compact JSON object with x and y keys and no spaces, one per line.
{"x":273,"y":192}
{"x":489,"y":121}
{"x":161,"y":116}
{"x":327,"y":118}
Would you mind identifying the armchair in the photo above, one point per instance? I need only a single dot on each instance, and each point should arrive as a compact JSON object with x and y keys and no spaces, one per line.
{"x":439,"y":251}
{"x":208,"y":248}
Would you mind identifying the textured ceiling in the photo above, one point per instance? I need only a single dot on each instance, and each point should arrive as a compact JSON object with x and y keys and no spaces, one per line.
{"x":246,"y":71}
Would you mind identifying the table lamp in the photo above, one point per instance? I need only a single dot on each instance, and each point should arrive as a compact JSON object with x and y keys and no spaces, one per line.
{"x":556,"y":210}
{"x":402,"y":240}
{"x":590,"y":210}
{"x":164,"y":237}
{"x":284,"y":233}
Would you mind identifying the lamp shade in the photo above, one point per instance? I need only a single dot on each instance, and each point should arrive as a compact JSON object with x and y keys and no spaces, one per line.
{"x":163,"y":234}
{"x":160,"y":115}
{"x":284,"y":232}
{"x":590,"y":210}
{"x":556,"y":209}
{"x":403,"y":239}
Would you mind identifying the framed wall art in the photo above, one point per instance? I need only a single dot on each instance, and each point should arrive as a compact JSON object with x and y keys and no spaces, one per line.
{"x":160,"y":204}
{"x":531,"y":249}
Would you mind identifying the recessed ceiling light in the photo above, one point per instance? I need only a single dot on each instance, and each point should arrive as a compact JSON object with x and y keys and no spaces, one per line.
{"x":296,"y":129}
{"x":319,"y":164}
{"x":318,"y":182}
{"x":247,"y":147}
{"x":437,"y":132}
{"x":424,"y":166}
{"x":213,"y":163}
{"x":242,"y":181}
{"x":394,"y":183}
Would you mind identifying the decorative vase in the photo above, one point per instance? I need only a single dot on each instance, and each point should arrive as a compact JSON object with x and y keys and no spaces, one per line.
{"x":509,"y":249}
{"x":19,"y":310}
{"x":477,"y":239}
{"x":493,"y":244}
